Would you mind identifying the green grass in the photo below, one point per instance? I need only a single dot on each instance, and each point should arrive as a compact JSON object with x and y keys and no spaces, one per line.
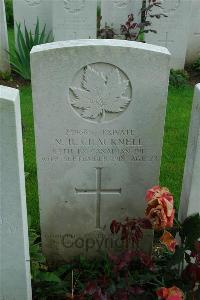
{"x":174,"y":149}
{"x":175,"y":139}
{"x":11,"y":38}
{"x":29,"y":155}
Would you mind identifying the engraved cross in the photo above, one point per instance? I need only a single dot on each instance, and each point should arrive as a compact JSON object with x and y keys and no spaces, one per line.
{"x":98,"y":191}
{"x":166,"y":40}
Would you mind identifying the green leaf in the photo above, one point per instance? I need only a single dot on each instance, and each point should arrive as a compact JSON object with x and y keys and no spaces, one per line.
{"x":37,"y":33}
{"x":28,"y":42}
{"x":20,"y":56}
{"x":48,"y":276}
{"x":42,"y":36}
{"x":177,"y":257}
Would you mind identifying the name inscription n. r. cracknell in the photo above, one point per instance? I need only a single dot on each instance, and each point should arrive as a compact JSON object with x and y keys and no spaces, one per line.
{"x":101,"y":145}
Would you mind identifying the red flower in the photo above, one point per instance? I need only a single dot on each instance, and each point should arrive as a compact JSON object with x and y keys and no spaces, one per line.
{"x":172,"y":293}
{"x":159,"y":192}
{"x":160,"y":209}
{"x":169,"y":241}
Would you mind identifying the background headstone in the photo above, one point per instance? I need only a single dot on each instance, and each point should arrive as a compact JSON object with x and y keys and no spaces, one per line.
{"x":4,"y":57}
{"x":74,"y":19}
{"x":15,"y":278}
{"x":172,"y":32}
{"x":97,"y":152}
{"x":193,"y":47}
{"x":29,"y":10}
{"x":190,"y":203}
{"x":115,"y":12}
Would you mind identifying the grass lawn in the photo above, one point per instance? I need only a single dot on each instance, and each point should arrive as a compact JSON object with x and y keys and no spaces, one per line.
{"x":175,"y":138}
{"x":175,"y":142}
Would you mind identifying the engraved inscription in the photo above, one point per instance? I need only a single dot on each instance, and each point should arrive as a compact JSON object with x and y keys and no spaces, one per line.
{"x":167,"y":40}
{"x":100,"y":146}
{"x":33,"y":2}
{"x":121,"y":3}
{"x":103,"y":93}
{"x":8,"y":226}
{"x":170,"y":6}
{"x":98,"y":191}
{"x":74,"y":6}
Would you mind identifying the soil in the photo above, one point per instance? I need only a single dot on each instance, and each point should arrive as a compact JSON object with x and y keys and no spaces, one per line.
{"x":15,"y":81}
{"x":194,"y":76}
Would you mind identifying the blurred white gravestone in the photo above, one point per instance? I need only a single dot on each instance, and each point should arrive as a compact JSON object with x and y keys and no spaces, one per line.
{"x":27,"y":11}
{"x":115,"y":13}
{"x":172,"y":31}
{"x":97,"y":152}
{"x":15,"y":278}
{"x":4,"y":57}
{"x":74,"y":19}
{"x":190,"y":203}
{"x":193,"y":47}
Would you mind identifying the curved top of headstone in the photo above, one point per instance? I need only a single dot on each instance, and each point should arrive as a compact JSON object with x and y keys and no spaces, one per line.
{"x":8,"y":93}
{"x":100,"y":42}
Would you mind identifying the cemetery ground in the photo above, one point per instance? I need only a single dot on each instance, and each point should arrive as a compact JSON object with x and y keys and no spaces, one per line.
{"x":172,"y":167}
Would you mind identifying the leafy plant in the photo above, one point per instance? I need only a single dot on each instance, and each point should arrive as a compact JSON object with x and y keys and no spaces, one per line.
{"x":45,"y":282}
{"x":106,"y":33}
{"x":135,"y":31}
{"x":131,"y":274}
{"x":9,"y":12}
{"x":5,"y":75}
{"x":196,"y":65}
{"x":20,"y":57}
{"x":178,"y":78}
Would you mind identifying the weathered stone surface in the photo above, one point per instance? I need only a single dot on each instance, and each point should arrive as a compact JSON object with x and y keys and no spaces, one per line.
{"x":27,"y":11}
{"x":190,"y":203}
{"x":15,"y":279}
{"x":115,"y":12}
{"x":172,"y":32}
{"x":99,"y":129}
{"x":4,"y":57}
{"x":74,"y":19}
{"x":193,"y":47}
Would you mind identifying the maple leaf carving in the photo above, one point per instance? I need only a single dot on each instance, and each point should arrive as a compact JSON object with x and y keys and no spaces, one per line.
{"x":100,"y":93}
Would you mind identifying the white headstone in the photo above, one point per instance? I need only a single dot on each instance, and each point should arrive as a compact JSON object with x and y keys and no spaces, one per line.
{"x":190,"y":203}
{"x":193,"y":47}
{"x":15,"y":279}
{"x":74,"y":19}
{"x":96,"y":116}
{"x":27,"y":11}
{"x":115,"y":13}
{"x":4,"y":57}
{"x":172,"y":32}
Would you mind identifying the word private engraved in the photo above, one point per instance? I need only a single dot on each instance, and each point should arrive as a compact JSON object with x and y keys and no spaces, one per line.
{"x":74,"y":6}
{"x":33,"y":2}
{"x":103,"y":93}
{"x":121,"y":3}
{"x":170,"y":6}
